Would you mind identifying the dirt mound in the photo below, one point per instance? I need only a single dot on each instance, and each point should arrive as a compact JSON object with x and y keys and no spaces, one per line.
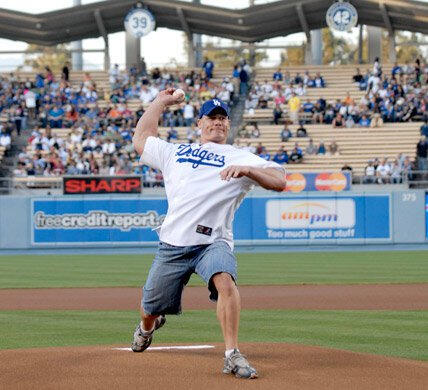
{"x":280,"y":366}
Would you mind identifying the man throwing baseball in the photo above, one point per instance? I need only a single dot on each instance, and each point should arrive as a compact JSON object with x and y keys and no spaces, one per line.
{"x":205,"y":184}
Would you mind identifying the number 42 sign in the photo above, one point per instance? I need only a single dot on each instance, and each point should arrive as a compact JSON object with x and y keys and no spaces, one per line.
{"x":342,"y":16}
{"x":139,"y":22}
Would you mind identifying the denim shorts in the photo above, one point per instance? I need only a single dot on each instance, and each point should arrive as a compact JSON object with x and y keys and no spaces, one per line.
{"x":171,"y":270}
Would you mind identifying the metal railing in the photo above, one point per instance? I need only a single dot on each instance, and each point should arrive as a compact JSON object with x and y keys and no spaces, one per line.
{"x":413,"y":178}
{"x":27,"y":184}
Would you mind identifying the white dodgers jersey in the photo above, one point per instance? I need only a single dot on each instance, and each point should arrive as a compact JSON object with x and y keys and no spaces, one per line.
{"x":201,"y":206}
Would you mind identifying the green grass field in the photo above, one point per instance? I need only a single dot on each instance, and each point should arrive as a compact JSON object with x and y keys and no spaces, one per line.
{"x":254,"y":269}
{"x":396,"y":333}
{"x":392,"y":333}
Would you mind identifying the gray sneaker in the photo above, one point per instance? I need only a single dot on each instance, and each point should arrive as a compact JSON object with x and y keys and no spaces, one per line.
{"x":238,"y":364}
{"x":141,"y":342}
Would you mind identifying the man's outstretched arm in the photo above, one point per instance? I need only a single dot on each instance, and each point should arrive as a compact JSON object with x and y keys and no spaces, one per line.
{"x":268,"y":178}
{"x":148,"y":124}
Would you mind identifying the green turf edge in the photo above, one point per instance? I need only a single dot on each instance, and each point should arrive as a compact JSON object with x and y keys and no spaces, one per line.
{"x":390,"y":333}
{"x":383,"y":267}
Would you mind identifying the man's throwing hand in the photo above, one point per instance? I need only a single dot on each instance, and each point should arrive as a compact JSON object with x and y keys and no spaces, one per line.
{"x":234,"y":171}
{"x":167,"y":98}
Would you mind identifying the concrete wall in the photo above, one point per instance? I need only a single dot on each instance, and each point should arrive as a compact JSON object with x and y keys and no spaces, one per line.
{"x":397,"y":217}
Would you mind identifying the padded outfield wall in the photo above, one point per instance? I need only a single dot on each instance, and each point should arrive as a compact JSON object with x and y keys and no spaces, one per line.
{"x":264,"y":218}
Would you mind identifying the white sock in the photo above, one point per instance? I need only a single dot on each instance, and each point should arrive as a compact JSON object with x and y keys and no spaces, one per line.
{"x":146,"y":332}
{"x":228,"y":352}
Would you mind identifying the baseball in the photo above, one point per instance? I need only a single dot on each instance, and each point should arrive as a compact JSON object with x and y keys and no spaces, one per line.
{"x":178,"y":94}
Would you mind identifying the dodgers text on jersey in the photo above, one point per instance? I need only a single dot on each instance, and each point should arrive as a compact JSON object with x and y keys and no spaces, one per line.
{"x":199,"y":156}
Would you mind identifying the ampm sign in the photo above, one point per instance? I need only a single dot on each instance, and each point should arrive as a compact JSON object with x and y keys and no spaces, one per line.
{"x":302,"y":218}
{"x":125,"y":221}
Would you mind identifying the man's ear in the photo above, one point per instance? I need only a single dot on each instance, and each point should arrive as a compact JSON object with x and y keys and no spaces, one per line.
{"x":199,"y":123}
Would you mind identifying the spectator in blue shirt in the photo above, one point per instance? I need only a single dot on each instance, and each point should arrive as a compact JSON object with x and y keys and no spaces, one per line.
{"x":243,"y":77}
{"x":319,"y":81}
{"x":277,"y":76}
{"x":264,"y":154}
{"x":285,"y":133}
{"x":424,"y":128}
{"x":364,"y":121}
{"x":208,"y":68}
{"x":281,"y":156}
{"x":172,"y":134}
{"x":126,"y":135}
{"x":308,"y":106}
{"x":321,"y":148}
{"x":296,"y":154}
{"x":40,"y":81}
{"x":56,"y":115}
{"x":396,"y":70}
{"x":235,"y":73}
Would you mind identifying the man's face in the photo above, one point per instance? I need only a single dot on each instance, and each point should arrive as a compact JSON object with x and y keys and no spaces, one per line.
{"x":214,"y":128}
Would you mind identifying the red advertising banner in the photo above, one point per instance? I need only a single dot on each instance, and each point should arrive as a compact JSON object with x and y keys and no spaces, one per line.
{"x":78,"y":185}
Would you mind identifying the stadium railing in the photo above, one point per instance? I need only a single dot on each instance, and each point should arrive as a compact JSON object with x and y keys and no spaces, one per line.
{"x":29,"y":183}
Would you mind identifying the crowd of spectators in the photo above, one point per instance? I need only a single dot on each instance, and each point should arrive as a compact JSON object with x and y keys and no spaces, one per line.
{"x":396,"y":97}
{"x":400,"y":96}
{"x":399,"y":170}
{"x":96,"y":122}
{"x":284,"y":91}
{"x":15,"y":108}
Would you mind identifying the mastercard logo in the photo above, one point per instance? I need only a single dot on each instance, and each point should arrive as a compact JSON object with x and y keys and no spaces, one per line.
{"x":296,"y":182}
{"x":330,"y":182}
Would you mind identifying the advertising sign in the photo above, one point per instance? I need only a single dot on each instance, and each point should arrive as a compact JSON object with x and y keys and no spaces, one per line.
{"x":325,"y":181}
{"x":259,"y":219}
{"x":314,"y":218}
{"x":77,"y":185}
{"x":59,"y":221}
{"x":426,"y":214}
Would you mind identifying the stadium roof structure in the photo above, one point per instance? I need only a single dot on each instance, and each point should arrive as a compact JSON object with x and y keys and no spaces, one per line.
{"x":251,"y":24}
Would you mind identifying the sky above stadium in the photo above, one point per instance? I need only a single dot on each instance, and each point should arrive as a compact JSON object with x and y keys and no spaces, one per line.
{"x":171,"y":40}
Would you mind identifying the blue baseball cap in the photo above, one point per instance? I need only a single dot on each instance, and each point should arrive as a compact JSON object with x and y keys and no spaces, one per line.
{"x":210,"y":105}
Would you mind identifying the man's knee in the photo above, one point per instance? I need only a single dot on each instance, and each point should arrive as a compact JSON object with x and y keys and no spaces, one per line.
{"x":224,"y":283}
{"x":146,"y":316}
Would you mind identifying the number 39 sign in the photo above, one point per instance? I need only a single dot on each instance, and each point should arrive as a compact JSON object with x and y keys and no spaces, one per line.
{"x":342,"y":16}
{"x":139,"y":22}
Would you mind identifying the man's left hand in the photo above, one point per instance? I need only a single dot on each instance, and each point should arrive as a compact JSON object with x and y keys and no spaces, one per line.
{"x":234,"y":171}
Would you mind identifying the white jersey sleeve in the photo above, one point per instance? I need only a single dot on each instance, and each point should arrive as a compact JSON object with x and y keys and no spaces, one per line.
{"x":157,"y":153}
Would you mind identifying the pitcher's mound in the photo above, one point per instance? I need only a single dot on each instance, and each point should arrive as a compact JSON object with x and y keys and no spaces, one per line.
{"x":280,"y":366}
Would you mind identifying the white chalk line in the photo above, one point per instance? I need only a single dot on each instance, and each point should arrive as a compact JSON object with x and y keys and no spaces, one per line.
{"x":172,"y":347}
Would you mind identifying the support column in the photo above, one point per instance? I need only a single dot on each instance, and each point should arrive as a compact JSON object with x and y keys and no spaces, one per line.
{"x":360,"y":44}
{"x":197,"y":40}
{"x":375,"y":42}
{"x":316,"y":47}
{"x":308,"y":51}
{"x":392,"y":53}
{"x":305,"y":27}
{"x":191,"y":60}
{"x":252,"y":50}
{"x":197,"y":44}
{"x":132,"y":50}
{"x":106,"y":55}
{"x":391,"y":32}
{"x":103,"y":32}
{"x":76,"y":57}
